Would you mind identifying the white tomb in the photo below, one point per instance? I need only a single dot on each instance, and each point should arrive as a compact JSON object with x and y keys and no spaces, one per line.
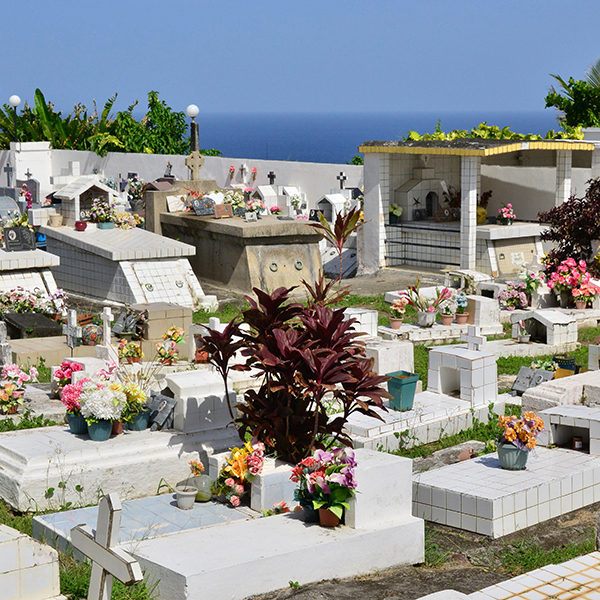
{"x":547,"y":326}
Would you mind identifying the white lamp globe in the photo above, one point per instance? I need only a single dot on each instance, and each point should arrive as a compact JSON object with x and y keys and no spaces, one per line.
{"x":14,"y":101}
{"x":192,"y":111}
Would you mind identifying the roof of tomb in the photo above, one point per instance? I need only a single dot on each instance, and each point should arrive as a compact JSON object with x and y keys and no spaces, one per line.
{"x":471,"y":146}
{"x":80,"y":185}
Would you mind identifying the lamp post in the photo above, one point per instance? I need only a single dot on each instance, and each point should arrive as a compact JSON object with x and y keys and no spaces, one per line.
{"x":192,"y":111}
{"x":14,"y":101}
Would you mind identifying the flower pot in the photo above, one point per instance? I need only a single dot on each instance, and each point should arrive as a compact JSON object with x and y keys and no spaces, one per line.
{"x":100,"y":431}
{"x":186,"y":496}
{"x":117,"y":428}
{"x":201,"y":356}
{"x":446,"y":319}
{"x":524,"y":339}
{"x":461,"y":318}
{"x":310,"y":514}
{"x":394,"y":219}
{"x":136,"y":204}
{"x":565,"y":362}
{"x":77,"y":424}
{"x":327,"y":518}
{"x":133,"y":359}
{"x":426,"y":318}
{"x":166,"y":361}
{"x":511,"y":457}
{"x":106,"y":225}
{"x":91,"y":334}
{"x":140,"y":421}
{"x":566,"y":299}
{"x":80,"y":225}
{"x":395,"y":323}
{"x":202,"y":483}
{"x":580,"y":304}
{"x":402,"y":386}
{"x":55,"y":220}
{"x":9,"y":410}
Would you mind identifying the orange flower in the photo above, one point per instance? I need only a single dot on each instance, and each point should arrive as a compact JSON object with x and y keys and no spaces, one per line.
{"x":510,"y":435}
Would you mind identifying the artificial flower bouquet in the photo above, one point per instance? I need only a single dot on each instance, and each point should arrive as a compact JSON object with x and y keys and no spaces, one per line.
{"x":103,"y":210}
{"x":275,"y":210}
{"x":175,"y":334}
{"x":239,"y":472}
{"x":64,"y":373}
{"x":253,"y":205}
{"x":136,"y":189}
{"x":10,"y":395}
{"x":19,"y":221}
{"x":70,"y":397}
{"x":506,"y":214}
{"x":585,"y":292}
{"x":568,"y":275}
{"x":167,"y":351}
{"x":532,"y":280}
{"x":129,"y":350}
{"x":461,"y":303}
{"x":233,"y":197}
{"x":26,"y":195}
{"x":422,"y":303}
{"x":521,"y":432}
{"x":513,"y":296}
{"x":398,"y":308}
{"x":102,"y":400}
{"x":135,"y":401}
{"x":14,"y":374}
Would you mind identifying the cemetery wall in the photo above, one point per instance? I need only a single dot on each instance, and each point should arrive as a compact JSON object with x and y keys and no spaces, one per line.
{"x":314,"y":179}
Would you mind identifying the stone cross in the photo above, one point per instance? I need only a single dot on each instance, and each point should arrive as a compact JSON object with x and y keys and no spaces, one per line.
{"x":9,"y":173}
{"x":108,"y":561}
{"x":29,"y":175}
{"x":107,"y":318}
{"x":271,"y":177}
{"x":72,"y":330}
{"x":341,"y":177}
{"x":473,"y":339}
{"x":194,"y":162}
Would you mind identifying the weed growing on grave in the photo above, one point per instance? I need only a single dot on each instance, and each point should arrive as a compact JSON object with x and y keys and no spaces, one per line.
{"x":434,"y":556}
{"x":294,"y":585}
{"x":511,"y":364}
{"x":27,"y":421}
{"x":226,"y":313}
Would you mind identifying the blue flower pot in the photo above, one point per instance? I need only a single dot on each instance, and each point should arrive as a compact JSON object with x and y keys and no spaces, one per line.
{"x":511,"y":457}
{"x":106,"y":225}
{"x":100,"y":431}
{"x":140,"y":421}
{"x":402,"y":386}
{"x":77,"y":424}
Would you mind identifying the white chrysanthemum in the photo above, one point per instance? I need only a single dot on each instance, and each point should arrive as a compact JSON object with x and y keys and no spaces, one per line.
{"x":100,"y":402}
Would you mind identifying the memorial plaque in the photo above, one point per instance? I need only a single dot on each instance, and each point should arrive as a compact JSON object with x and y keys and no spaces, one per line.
{"x":420,"y":214}
{"x":17,"y":239}
{"x":528,"y":378}
{"x":251,"y":217}
{"x":280,"y":218}
{"x":203,"y":207}
{"x":162,"y":408}
{"x":442,"y":215}
{"x":313,"y":215}
{"x":223,"y":211}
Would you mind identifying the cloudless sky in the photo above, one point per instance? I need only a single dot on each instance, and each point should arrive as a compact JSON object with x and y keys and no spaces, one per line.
{"x":310,"y":56}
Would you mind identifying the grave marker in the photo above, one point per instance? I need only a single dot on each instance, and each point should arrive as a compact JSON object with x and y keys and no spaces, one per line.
{"x":223,"y":211}
{"x":162,"y":408}
{"x":529,"y":378}
{"x":251,"y":216}
{"x":341,"y":178}
{"x":203,"y":206}
{"x":108,"y":561}
{"x":18,"y":239}
{"x":107,"y":318}
{"x":8,"y":169}
{"x":72,"y":330}
{"x":194,"y":162}
{"x":271,"y":177}
{"x":5,"y":353}
{"x":473,"y":339}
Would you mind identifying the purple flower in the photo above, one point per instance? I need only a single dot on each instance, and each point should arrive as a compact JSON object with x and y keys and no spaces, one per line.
{"x":322,"y":456}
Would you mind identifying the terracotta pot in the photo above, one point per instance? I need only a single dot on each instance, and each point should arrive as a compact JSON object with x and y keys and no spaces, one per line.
{"x":201,"y":356}
{"x":117,"y":428}
{"x":327,"y":518}
{"x":133,"y":359}
{"x":447,"y":319}
{"x":11,"y":410}
{"x":166,"y":361}
{"x":461,"y":319}
{"x":580,"y":304}
{"x":80,"y":225}
{"x":395,"y":323}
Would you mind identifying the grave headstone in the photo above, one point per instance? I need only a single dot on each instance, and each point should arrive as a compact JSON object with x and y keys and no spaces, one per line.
{"x":18,"y":239}
{"x":33,"y":186}
{"x":194,"y":162}
{"x":271,"y":177}
{"x":105,"y":350}
{"x":9,"y":170}
{"x":223,"y":211}
{"x":8,"y":207}
{"x":162,"y":408}
{"x":203,"y":207}
{"x":72,"y":330}
{"x":251,"y":217}
{"x":529,"y":378}
{"x":473,"y":339}
{"x":101,"y":547}
{"x":28,"y":325}
{"x":314,"y":215}
{"x":341,"y":178}
{"x":5,"y":353}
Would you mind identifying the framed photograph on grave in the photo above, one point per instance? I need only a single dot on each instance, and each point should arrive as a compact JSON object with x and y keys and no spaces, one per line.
{"x":442,"y":215}
{"x":223,"y":211}
{"x":203,"y":207}
{"x":251,"y":216}
{"x":17,"y":239}
{"x":420,"y":214}
{"x":313,"y":215}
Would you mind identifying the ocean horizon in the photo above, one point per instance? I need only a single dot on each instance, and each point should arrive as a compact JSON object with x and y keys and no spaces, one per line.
{"x":335,"y":137}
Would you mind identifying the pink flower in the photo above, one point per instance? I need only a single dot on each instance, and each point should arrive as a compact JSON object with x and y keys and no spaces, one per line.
{"x":430,"y":309}
{"x":235,"y":501}
{"x":229,"y":482}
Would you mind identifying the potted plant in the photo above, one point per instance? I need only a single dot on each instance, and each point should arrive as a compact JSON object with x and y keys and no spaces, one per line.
{"x":395,"y":213}
{"x":103,"y":213}
{"x":568,"y":275}
{"x":300,"y":475}
{"x":332,"y":484}
{"x":584,"y":294}
{"x":236,"y":476}
{"x":513,"y":296}
{"x":461,"y":314}
{"x":202,"y":481}
{"x":506,"y":215}
{"x":447,"y":309}
{"x":10,"y":398}
{"x":524,"y":336}
{"x":532,"y":281}
{"x":70,"y":398}
{"x":102,"y":403}
{"x":398,"y":309}
{"x":426,"y":307}
{"x":135,"y":193}
{"x":186,"y":494}
{"x":275,"y":210}
{"x":402,"y":386}
{"x":129,"y":351}
{"x":136,"y":415}
{"x":167,"y":351}
{"x":519,"y":436}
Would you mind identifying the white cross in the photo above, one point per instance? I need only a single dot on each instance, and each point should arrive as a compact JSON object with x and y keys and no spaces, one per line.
{"x":72,"y":330}
{"x":107,"y":318}
{"x":107,"y":561}
{"x":194,"y":162}
{"x":473,"y":339}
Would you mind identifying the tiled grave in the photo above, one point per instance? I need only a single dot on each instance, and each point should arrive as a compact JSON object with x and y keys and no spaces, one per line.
{"x":478,"y":495}
{"x":436,"y":334}
{"x":564,"y":391}
{"x":548,"y":326}
{"x":561,"y":423}
{"x":142,"y":519}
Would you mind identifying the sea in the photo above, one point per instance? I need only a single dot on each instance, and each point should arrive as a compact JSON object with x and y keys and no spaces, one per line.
{"x":335,"y":137}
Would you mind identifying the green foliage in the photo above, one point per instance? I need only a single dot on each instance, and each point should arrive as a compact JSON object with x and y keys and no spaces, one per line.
{"x":27,"y":421}
{"x":511,"y":364}
{"x":17,"y":520}
{"x":434,"y":555}
{"x":579,"y":102}
{"x":491,"y":132}
{"x":356,"y":160}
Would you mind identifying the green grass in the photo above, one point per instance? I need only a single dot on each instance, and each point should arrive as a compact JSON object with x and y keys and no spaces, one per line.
{"x":27,"y":421}
{"x":511,"y":364}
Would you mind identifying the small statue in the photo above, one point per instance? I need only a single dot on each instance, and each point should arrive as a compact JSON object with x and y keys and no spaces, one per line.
{"x":168,"y":170}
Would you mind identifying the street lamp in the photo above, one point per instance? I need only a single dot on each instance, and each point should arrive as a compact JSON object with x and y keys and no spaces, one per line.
{"x":192,"y":111}
{"x":14,"y":101}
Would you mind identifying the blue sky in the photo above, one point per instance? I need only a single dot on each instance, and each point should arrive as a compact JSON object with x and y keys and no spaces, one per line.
{"x":310,"y":56}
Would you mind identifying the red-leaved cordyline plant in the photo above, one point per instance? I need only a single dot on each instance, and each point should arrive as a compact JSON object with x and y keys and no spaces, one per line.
{"x":306,"y":356}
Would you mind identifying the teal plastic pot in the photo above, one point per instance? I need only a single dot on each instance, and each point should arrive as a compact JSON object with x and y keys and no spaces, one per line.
{"x":77,"y":424}
{"x":511,"y":457}
{"x":402,"y":386}
{"x":140,"y":421}
{"x":100,"y":431}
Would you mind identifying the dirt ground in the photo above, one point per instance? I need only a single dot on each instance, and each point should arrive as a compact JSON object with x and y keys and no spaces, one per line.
{"x":467,"y":562}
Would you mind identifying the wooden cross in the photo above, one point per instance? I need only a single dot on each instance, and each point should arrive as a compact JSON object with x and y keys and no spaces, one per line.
{"x":473,"y":339}
{"x":29,"y":175}
{"x":107,"y":560}
{"x":194,"y":162}
{"x":107,"y":318}
{"x":271,"y":177}
{"x":9,"y":172}
{"x":341,"y":177}
{"x":72,"y":330}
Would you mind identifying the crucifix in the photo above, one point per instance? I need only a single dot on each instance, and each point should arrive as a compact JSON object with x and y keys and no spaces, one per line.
{"x":194,"y":162}
{"x":341,"y":177}
{"x":9,"y":173}
{"x":473,"y":339}
{"x":72,"y":330}
{"x":107,"y":319}
{"x":271,"y":177}
{"x":107,"y":559}
{"x":29,"y":175}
